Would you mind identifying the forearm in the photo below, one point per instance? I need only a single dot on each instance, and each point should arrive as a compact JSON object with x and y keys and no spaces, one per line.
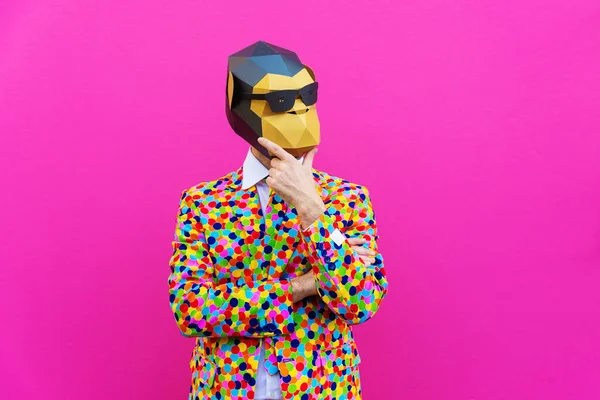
{"x":203,"y":308}
{"x":351,"y":288}
{"x":259,"y":309}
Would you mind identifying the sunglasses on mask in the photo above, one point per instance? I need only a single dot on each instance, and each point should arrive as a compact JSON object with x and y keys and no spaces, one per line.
{"x":283,"y":100}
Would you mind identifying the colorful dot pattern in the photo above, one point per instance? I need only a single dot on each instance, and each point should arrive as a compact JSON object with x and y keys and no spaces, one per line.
{"x":230,"y":289}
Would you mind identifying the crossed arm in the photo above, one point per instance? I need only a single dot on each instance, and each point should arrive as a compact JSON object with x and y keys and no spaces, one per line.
{"x":203,"y":308}
{"x":350,"y":286}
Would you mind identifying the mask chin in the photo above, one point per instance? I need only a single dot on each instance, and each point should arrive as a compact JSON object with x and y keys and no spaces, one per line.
{"x":299,"y":152}
{"x":295,"y":152}
{"x":297,"y":134}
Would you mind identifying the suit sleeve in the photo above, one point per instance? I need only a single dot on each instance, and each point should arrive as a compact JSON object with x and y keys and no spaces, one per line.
{"x":349,"y":287}
{"x":203,"y":308}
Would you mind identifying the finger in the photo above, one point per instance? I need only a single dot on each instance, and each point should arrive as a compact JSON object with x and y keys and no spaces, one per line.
{"x":275,"y":149}
{"x":354,"y":241}
{"x":309,"y":157}
{"x":367,"y":250}
{"x":273,"y":172}
{"x":282,"y":166}
{"x":270,"y":181}
{"x":366,"y":260}
{"x":275,"y":162}
{"x":361,"y":250}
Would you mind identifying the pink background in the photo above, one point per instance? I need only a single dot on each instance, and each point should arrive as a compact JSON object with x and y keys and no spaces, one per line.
{"x":475,"y":124}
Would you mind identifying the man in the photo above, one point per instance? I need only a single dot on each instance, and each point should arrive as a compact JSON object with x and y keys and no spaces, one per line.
{"x":274,"y":262}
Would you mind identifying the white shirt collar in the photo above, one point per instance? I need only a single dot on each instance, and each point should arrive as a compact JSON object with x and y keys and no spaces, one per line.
{"x":253,"y":171}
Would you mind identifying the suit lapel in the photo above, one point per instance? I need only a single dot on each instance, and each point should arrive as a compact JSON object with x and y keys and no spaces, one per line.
{"x":244,"y":207}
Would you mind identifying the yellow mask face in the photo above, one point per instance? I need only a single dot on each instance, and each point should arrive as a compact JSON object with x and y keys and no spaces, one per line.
{"x":296,"y":130}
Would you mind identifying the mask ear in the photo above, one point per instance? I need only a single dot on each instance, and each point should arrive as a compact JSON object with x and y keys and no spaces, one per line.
{"x":230,"y":89}
{"x":310,"y":71}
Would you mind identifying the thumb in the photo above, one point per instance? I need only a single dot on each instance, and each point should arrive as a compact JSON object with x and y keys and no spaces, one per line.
{"x":309,"y":157}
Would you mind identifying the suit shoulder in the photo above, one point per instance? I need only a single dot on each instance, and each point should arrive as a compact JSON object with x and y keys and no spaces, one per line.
{"x":210,"y":188}
{"x":337,"y":184}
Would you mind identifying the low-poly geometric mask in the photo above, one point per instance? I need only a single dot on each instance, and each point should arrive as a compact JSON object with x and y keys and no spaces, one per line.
{"x":270,"y":93}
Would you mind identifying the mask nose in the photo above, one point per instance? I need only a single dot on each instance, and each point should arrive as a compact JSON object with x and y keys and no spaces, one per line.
{"x":299,"y":107}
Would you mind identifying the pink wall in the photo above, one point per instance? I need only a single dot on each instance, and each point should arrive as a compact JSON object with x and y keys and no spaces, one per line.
{"x":475,"y":125}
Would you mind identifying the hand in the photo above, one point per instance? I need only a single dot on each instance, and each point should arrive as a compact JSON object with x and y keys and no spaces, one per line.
{"x":303,"y":286}
{"x":367,"y":255}
{"x":294,"y":182}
